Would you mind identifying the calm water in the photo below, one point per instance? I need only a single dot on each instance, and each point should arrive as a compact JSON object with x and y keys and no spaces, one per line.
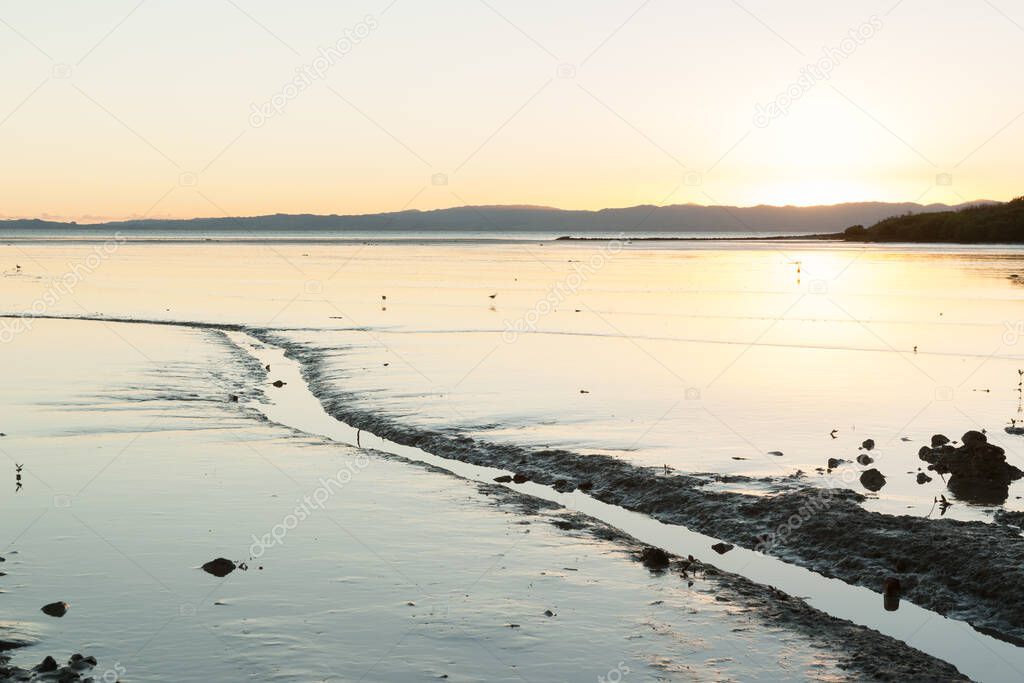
{"x":703,"y":357}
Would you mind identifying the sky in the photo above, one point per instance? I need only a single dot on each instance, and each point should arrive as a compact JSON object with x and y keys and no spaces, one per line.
{"x":173,"y":109}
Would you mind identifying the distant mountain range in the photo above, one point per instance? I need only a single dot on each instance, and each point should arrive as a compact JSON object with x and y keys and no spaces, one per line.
{"x":635,"y":219}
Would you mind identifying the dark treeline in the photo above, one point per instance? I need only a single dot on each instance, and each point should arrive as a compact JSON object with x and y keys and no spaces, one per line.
{"x":984,"y":223}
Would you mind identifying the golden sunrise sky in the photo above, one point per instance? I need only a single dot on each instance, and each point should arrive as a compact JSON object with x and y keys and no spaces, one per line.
{"x":113,"y":109}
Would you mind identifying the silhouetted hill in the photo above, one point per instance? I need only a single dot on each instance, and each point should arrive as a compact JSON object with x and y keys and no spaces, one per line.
{"x":979,"y":223}
{"x":636,"y":219}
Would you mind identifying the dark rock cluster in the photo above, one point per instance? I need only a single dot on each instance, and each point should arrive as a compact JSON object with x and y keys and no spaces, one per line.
{"x":48,"y":670}
{"x":978,"y":470}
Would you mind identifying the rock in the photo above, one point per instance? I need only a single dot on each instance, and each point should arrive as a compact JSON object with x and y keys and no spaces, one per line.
{"x":232,"y":398}
{"x":503,"y":479}
{"x":978,"y":470}
{"x":278,"y":383}
{"x":923,"y":478}
{"x":520,"y":478}
{"x":219,"y":567}
{"x":80,"y":663}
{"x":864,"y":459}
{"x":654,"y":558}
{"x":833,"y":463}
{"x":548,"y":613}
{"x":56,"y":609}
{"x":67,"y":675}
{"x":46,"y":666}
{"x":722,"y":548}
{"x":938,"y":440}
{"x":868,"y":445}
{"x":586,"y":485}
{"x":564,"y":486}
{"x":973,"y":438}
{"x":1016,"y":431}
{"x":872,"y":480}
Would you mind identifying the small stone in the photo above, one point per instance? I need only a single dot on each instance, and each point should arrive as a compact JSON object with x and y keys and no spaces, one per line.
{"x":872,"y":480}
{"x":869,"y":444}
{"x":833,"y":463}
{"x":56,"y":609}
{"x":722,"y":548}
{"x":864,"y":459}
{"x":503,"y":479}
{"x":548,"y":613}
{"x":46,"y":666}
{"x":278,"y":383}
{"x":219,"y":567}
{"x":520,"y":478}
{"x":923,"y":478}
{"x":586,"y":485}
{"x":939,"y":440}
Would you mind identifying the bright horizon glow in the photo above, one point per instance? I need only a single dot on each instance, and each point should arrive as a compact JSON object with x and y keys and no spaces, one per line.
{"x":120,"y":110}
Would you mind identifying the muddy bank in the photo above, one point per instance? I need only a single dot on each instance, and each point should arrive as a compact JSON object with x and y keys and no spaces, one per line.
{"x":970,"y":571}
